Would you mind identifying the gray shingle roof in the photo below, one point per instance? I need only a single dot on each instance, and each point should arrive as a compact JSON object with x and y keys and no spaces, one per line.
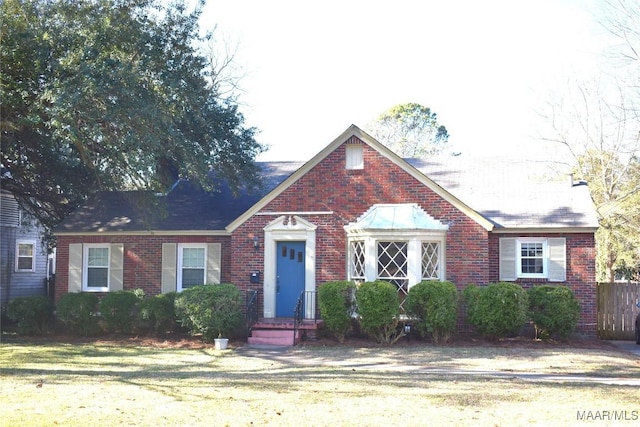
{"x":184,"y":208}
{"x":513,"y":193}
{"x":510,"y":193}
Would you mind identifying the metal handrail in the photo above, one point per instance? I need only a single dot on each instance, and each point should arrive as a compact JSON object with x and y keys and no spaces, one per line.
{"x":297,"y":314}
{"x":252,"y":310}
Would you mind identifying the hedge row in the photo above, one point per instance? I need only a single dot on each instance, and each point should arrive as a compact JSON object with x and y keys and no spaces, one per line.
{"x":207,"y":310}
{"x":496,"y":311}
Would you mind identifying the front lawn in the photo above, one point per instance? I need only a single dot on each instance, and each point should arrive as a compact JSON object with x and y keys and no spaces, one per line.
{"x":105,"y":383}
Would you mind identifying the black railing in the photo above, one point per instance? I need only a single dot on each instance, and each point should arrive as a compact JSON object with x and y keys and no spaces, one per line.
{"x":252,"y":310}
{"x":297,"y":313}
{"x":305,"y":309}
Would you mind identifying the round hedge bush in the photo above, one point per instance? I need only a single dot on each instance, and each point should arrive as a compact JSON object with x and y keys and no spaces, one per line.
{"x":497,"y":310}
{"x":157,"y":314}
{"x":378,"y":310}
{"x":78,"y":312}
{"x":336,"y":301}
{"x":33,"y":315}
{"x":554,"y":311}
{"x":119,"y":311}
{"x":435,"y":304}
{"x":211,"y":310}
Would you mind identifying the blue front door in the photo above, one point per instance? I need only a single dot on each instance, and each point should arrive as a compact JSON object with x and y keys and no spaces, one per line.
{"x":289,"y":276}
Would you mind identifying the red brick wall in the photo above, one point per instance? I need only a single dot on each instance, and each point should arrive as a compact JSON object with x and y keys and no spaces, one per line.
{"x":142,"y":258}
{"x":329,"y":187}
{"x":471,"y":251}
{"x":581,"y":273}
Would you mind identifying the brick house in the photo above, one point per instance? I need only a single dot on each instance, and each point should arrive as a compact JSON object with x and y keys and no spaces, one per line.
{"x":354,"y":211}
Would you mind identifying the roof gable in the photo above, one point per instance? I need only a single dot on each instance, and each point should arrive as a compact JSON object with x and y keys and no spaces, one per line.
{"x":498,"y":194}
{"x":349,"y":133}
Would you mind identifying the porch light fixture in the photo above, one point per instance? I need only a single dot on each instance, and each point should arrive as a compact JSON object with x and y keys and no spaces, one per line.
{"x":256,"y":243}
{"x":407,"y":329}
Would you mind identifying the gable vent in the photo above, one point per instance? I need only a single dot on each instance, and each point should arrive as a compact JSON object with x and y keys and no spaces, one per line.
{"x":9,"y":211}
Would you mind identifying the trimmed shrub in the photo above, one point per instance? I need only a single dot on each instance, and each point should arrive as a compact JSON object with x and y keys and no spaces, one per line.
{"x":435,"y":303}
{"x":470,"y":296}
{"x":211,"y":310}
{"x":554,"y":311}
{"x":158,"y":314}
{"x":336,"y":301}
{"x":77,"y":311}
{"x":497,"y":310}
{"x":118,"y":310}
{"x":33,"y":315}
{"x":378,"y":310}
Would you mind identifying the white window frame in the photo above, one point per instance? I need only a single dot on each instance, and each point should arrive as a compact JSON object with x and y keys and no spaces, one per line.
{"x":357,"y":267}
{"x":32,"y":243}
{"x":85,"y":267}
{"x":545,"y":258}
{"x":414,"y":254}
{"x":181,"y":248}
{"x":354,"y":157}
{"x":439,"y":263}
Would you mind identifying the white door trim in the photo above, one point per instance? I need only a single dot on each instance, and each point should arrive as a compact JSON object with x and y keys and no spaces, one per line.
{"x":288,"y":228}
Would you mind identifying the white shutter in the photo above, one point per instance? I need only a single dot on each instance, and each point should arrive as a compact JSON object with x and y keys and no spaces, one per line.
{"x":213,"y":262}
{"x":508,"y":259}
{"x":75,"y":267}
{"x":116,"y":264}
{"x":169,"y":279}
{"x":557,"y":259}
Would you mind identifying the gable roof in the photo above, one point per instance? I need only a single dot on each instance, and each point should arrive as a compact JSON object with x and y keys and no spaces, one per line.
{"x":354,"y":131}
{"x":510,"y":195}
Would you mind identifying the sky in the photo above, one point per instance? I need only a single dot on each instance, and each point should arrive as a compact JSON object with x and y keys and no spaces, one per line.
{"x":486,"y":68}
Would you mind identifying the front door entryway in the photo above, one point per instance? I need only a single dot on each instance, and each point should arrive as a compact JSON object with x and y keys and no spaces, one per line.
{"x":290,"y":276}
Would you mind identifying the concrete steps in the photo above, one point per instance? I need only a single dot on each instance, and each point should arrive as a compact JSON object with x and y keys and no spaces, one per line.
{"x":281,"y":332}
{"x":274,"y":337}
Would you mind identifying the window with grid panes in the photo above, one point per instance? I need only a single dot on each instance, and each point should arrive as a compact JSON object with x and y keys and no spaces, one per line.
{"x":532,"y":258}
{"x":357,"y":261}
{"x":430,"y":261}
{"x":393,"y":266}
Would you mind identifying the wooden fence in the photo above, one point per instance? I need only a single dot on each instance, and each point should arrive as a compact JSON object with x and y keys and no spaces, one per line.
{"x":617,"y":310}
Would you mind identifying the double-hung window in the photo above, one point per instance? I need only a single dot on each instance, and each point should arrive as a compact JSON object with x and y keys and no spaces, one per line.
{"x":192,"y":265}
{"x":96,"y":268}
{"x":25,"y":255}
{"x":533,"y":258}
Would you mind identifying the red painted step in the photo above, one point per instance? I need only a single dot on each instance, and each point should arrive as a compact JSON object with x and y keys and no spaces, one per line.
{"x":275,"y":337}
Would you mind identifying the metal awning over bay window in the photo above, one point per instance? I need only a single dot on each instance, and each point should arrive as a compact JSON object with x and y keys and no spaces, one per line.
{"x":398,"y":243}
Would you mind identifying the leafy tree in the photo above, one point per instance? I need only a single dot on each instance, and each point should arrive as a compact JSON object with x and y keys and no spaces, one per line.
{"x":598,"y":124}
{"x":111,"y":94}
{"x":615,"y":189}
{"x":410,"y":130}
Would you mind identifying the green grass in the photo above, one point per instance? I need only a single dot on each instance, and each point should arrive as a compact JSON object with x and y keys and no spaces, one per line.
{"x":107,"y":384}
